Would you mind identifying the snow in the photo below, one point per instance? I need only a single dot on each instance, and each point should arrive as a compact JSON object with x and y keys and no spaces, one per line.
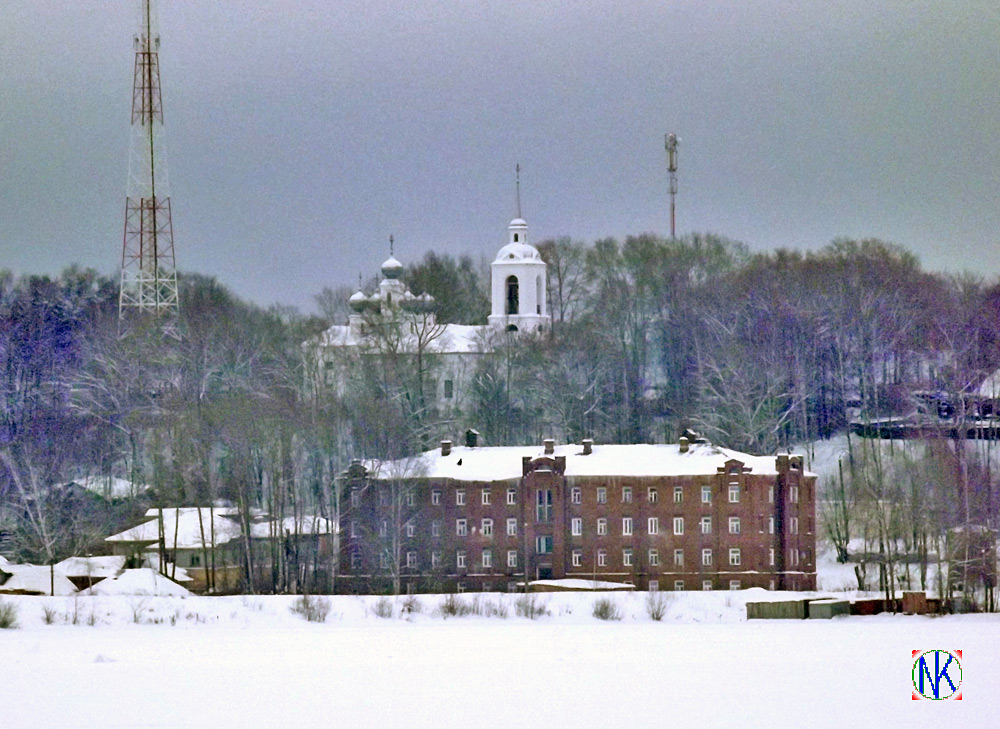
{"x":182,"y":529}
{"x":91,"y":566}
{"x":503,"y":463}
{"x":40,"y":580}
{"x":454,"y":339}
{"x":251,"y":662}
{"x":143,"y":581}
{"x":577,"y":584}
{"x":110,"y":487}
{"x":290,"y":525}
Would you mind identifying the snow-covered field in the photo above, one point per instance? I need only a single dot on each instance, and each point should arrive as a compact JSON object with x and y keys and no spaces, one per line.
{"x":252,"y":662}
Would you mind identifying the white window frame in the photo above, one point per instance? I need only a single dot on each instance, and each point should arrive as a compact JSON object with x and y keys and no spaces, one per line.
{"x":602,"y":558}
{"x":411,"y":560}
{"x":735,"y":557}
{"x":576,"y":495}
{"x":436,"y":528}
{"x":706,"y":585}
{"x":512,"y":558}
{"x":626,"y":526}
{"x":653,"y":525}
{"x":602,"y":527}
{"x":487,"y":559}
{"x":654,"y":558}
{"x":461,"y":559}
{"x":411,"y":530}
{"x":461,"y":527}
{"x":735,"y":585}
{"x":706,"y":494}
{"x":511,"y":497}
{"x":602,"y":494}
{"x":705,"y":525}
{"x":678,"y":526}
{"x":411,"y":497}
{"x":435,"y":559}
{"x":734,"y":525}
{"x":678,"y":558}
{"x":576,"y":526}
{"x":793,"y":494}
{"x":626,"y":494}
{"x":512,"y":526}
{"x":460,"y":497}
{"x":486,"y":497}
{"x":577,"y":558}
{"x":383,"y":528}
{"x":679,"y":585}
{"x":436,"y":497}
{"x":793,"y":525}
{"x":652,"y":496}
{"x":734,"y":493}
{"x":627,"y":557}
{"x":706,"y":557}
{"x":486,"y":527}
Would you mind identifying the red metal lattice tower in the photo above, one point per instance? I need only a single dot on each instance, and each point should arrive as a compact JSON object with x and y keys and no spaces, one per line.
{"x":148,"y":277}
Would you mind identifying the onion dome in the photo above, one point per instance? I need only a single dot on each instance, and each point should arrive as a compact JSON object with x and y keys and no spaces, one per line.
{"x":392,"y":269}
{"x":357,"y":301}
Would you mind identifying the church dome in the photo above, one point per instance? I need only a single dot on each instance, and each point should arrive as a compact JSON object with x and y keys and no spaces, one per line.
{"x":392,"y":268}
{"x":357,"y":301}
{"x":518,"y":252}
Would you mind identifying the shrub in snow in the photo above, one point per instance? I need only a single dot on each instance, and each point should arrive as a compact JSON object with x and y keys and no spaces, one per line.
{"x":314,"y":609}
{"x":656,"y":605}
{"x":483,"y":605}
{"x":607,"y":609}
{"x":411,"y":605}
{"x":49,"y":614}
{"x":452,"y":606}
{"x":383,"y":607}
{"x":8,"y":615}
{"x":530,"y":606}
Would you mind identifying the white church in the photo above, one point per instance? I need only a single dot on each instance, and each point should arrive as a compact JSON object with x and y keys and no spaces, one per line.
{"x":394,"y":320}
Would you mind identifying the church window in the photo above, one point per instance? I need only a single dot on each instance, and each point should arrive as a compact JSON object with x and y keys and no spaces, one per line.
{"x":513,"y":301}
{"x":449,"y":389}
{"x":515,"y":237}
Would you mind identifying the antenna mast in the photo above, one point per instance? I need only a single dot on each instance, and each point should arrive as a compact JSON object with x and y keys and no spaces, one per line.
{"x":149,"y":278}
{"x":671,"y":144}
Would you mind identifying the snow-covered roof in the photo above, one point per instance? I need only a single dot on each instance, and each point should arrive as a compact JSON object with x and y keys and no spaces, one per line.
{"x":182,"y":529}
{"x":991,"y":386}
{"x":576,"y":584}
{"x":503,"y":463}
{"x":518,"y":252}
{"x":291,"y":525}
{"x":454,"y":339}
{"x":91,"y":566}
{"x":39,"y":580}
{"x":142,"y":581}
{"x":110,"y":487}
{"x":177,"y":574}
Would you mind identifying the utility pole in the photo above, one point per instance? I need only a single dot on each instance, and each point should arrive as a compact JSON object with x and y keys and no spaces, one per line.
{"x":671,"y":145}
{"x":148,"y":275}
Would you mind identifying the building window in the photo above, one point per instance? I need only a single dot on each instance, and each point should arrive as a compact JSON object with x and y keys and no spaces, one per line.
{"x":706,"y":585}
{"x":734,"y":493}
{"x":654,"y":558}
{"x":435,"y":559}
{"x":793,"y":494}
{"x":770,"y":557}
{"x":626,"y":494}
{"x":543,"y":506}
{"x":512,"y":527}
{"x":511,"y":497}
{"x":435,"y":498}
{"x":678,"y":525}
{"x":770,"y":494}
{"x":734,"y":557}
{"x":411,"y":530}
{"x":770,"y":525}
{"x":654,"y":585}
{"x":734,"y":525}
{"x":383,"y":561}
{"x":512,"y":558}
{"x":512,"y":296}
{"x":602,"y":558}
{"x":576,"y":526}
{"x":460,"y":587}
{"x":449,"y":389}
{"x":411,"y":560}
{"x":793,"y":525}
{"x":355,"y":498}
{"x":543,"y":545}
{"x":793,"y":557}
{"x":383,"y":497}
{"x":734,"y":585}
{"x":486,"y":497}
{"x":460,"y":497}
{"x":461,"y":527}
{"x":354,"y":529}
{"x":436,"y":528}
{"x":706,"y":558}
{"x":705,"y":525}
{"x":487,"y":559}
{"x":195,"y":561}
{"x":706,"y":494}
{"x":383,"y":528}
{"x":627,"y":557}
{"x":460,"y":559}
{"x":486,"y":527}
{"x":627,"y":526}
{"x":575,"y":495}
{"x":653,"y":525}
{"x":602,"y":527}
{"x":602,"y":494}
{"x":679,"y":585}
{"x":678,"y":495}
{"x":355,"y":560}
{"x":411,"y":497}
{"x":651,"y":495}
{"x":577,"y":558}
{"x":770,"y":585}
{"x":678,"y":558}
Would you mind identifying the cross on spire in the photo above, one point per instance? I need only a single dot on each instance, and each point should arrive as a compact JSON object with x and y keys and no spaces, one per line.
{"x":517,"y":172}
{"x":391,"y":243}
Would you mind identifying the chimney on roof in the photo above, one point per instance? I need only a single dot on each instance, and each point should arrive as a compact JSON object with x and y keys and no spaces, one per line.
{"x":588,"y":446}
{"x":685,"y":444}
{"x":445,"y":447}
{"x":550,"y":446}
{"x":471,"y":438}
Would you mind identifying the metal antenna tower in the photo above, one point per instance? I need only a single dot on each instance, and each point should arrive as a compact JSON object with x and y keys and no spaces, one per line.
{"x":671,"y":144}
{"x":149,"y":278}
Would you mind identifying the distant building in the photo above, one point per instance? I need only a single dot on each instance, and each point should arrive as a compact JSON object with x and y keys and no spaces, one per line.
{"x":393,"y":320}
{"x":687,"y":516}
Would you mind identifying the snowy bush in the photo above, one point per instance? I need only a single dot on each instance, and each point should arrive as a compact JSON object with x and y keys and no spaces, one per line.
{"x":411,"y":605}
{"x":8,"y":615}
{"x":312,"y":608}
{"x":383,"y":607}
{"x":657,"y":604}
{"x":529,"y":606}
{"x":49,"y":614}
{"x":452,"y":606}
{"x":607,"y":609}
{"x":483,"y":605}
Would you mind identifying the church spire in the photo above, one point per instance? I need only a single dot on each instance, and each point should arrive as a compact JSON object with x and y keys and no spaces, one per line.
{"x":517,"y":174}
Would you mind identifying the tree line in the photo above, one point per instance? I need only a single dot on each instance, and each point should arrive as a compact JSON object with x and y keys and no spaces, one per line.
{"x":650,"y":336}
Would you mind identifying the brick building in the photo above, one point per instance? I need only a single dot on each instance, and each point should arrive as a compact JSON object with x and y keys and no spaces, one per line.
{"x":689,"y":516}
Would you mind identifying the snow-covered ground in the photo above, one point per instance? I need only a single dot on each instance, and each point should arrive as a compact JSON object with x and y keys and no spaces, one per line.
{"x":252,"y":662}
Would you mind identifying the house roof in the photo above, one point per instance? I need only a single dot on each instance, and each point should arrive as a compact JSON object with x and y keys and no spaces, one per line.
{"x":137,"y":582}
{"x":110,"y":487}
{"x":91,"y":566}
{"x":182,"y":529}
{"x":38,"y":580}
{"x":503,"y":463}
{"x":303,"y":525}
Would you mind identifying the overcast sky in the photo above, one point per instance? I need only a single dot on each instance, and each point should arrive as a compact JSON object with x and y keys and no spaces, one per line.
{"x":301,"y":133}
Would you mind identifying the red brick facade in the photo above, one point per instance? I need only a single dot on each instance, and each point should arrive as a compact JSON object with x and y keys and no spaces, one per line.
{"x":727,"y":529}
